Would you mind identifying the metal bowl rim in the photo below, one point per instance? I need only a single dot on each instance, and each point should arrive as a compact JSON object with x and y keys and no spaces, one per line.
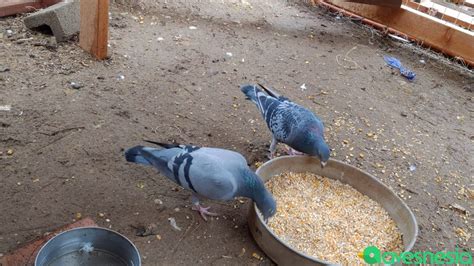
{"x":259,"y":216}
{"x":94,"y":228}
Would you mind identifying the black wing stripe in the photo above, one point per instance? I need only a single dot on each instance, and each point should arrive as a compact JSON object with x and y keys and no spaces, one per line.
{"x":178,"y":161}
{"x":186,"y":172}
{"x":176,"y":164}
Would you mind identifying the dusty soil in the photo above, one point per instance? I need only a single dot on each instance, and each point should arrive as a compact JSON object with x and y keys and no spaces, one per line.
{"x":68,"y":143}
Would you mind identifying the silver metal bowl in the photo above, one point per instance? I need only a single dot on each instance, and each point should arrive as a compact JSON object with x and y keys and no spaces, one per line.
{"x":283,"y":254}
{"x":88,"y":246}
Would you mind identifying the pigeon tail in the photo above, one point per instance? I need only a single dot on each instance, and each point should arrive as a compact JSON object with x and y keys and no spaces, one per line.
{"x":164,"y":145}
{"x":269,"y":91}
{"x":251,"y":92}
{"x":134,"y":155}
{"x":154,"y":159}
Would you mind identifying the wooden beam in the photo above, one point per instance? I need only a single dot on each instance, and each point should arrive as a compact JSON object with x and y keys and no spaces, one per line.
{"x":12,"y":7}
{"x":387,"y":3}
{"x":6,"y":3}
{"x":94,"y":27}
{"x":46,"y":3}
{"x":426,"y":30}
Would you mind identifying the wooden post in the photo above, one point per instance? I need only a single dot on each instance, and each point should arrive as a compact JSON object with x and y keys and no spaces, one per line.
{"x":94,"y":27}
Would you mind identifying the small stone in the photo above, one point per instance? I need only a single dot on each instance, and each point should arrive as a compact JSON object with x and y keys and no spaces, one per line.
{"x":404,"y":114}
{"x":158,"y":201}
{"x":107,"y":220}
{"x":101,"y":215}
{"x":9,"y":152}
{"x":258,"y":257}
{"x":75,"y":85}
{"x":78,"y":215}
{"x":158,"y":237}
{"x":4,"y":69}
{"x":140,"y":185}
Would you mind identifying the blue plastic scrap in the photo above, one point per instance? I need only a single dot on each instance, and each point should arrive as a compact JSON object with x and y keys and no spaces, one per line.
{"x":395,"y":63}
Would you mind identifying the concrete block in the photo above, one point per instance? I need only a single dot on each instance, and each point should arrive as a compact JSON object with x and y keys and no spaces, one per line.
{"x":63,"y":18}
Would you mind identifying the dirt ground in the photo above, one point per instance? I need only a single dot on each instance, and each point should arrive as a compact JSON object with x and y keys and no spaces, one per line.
{"x":169,"y":82}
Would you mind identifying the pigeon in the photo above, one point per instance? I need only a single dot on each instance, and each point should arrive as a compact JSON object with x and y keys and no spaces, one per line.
{"x":289,"y":123}
{"x":212,"y":173}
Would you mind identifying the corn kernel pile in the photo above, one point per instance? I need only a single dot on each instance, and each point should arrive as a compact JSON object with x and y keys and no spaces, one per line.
{"x":328,"y":220}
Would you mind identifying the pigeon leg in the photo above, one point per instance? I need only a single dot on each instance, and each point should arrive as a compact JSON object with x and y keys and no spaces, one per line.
{"x":292,"y":151}
{"x":273,"y":146}
{"x":203,"y":211}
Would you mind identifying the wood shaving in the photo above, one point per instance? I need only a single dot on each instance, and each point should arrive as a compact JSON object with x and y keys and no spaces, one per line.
{"x":329,"y":220}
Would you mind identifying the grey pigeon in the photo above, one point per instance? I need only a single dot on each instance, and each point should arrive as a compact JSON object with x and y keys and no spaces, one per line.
{"x":289,"y":123}
{"x":212,"y":173}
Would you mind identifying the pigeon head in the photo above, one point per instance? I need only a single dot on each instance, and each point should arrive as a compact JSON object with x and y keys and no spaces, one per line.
{"x":323,"y":152}
{"x":314,"y":145}
{"x":266,"y":204}
{"x":256,"y":190}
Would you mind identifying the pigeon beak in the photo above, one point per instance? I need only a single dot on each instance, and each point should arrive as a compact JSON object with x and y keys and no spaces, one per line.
{"x":323,"y":164}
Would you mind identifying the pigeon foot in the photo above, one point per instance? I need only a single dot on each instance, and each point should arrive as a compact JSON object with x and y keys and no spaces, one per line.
{"x":203,"y":211}
{"x":292,"y":151}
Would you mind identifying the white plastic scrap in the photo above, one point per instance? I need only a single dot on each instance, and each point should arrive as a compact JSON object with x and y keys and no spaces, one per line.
{"x":229,"y":54}
{"x":5,"y":108}
{"x":303,"y":87}
{"x":173,"y":224}
{"x":87,"y":247}
{"x":192,"y":27}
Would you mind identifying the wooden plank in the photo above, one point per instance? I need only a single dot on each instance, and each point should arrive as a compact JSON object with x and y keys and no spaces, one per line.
{"x":12,"y":7}
{"x":94,"y":27}
{"x":46,"y":3}
{"x":428,"y":31}
{"x":387,"y":3}
{"x":6,"y":3}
